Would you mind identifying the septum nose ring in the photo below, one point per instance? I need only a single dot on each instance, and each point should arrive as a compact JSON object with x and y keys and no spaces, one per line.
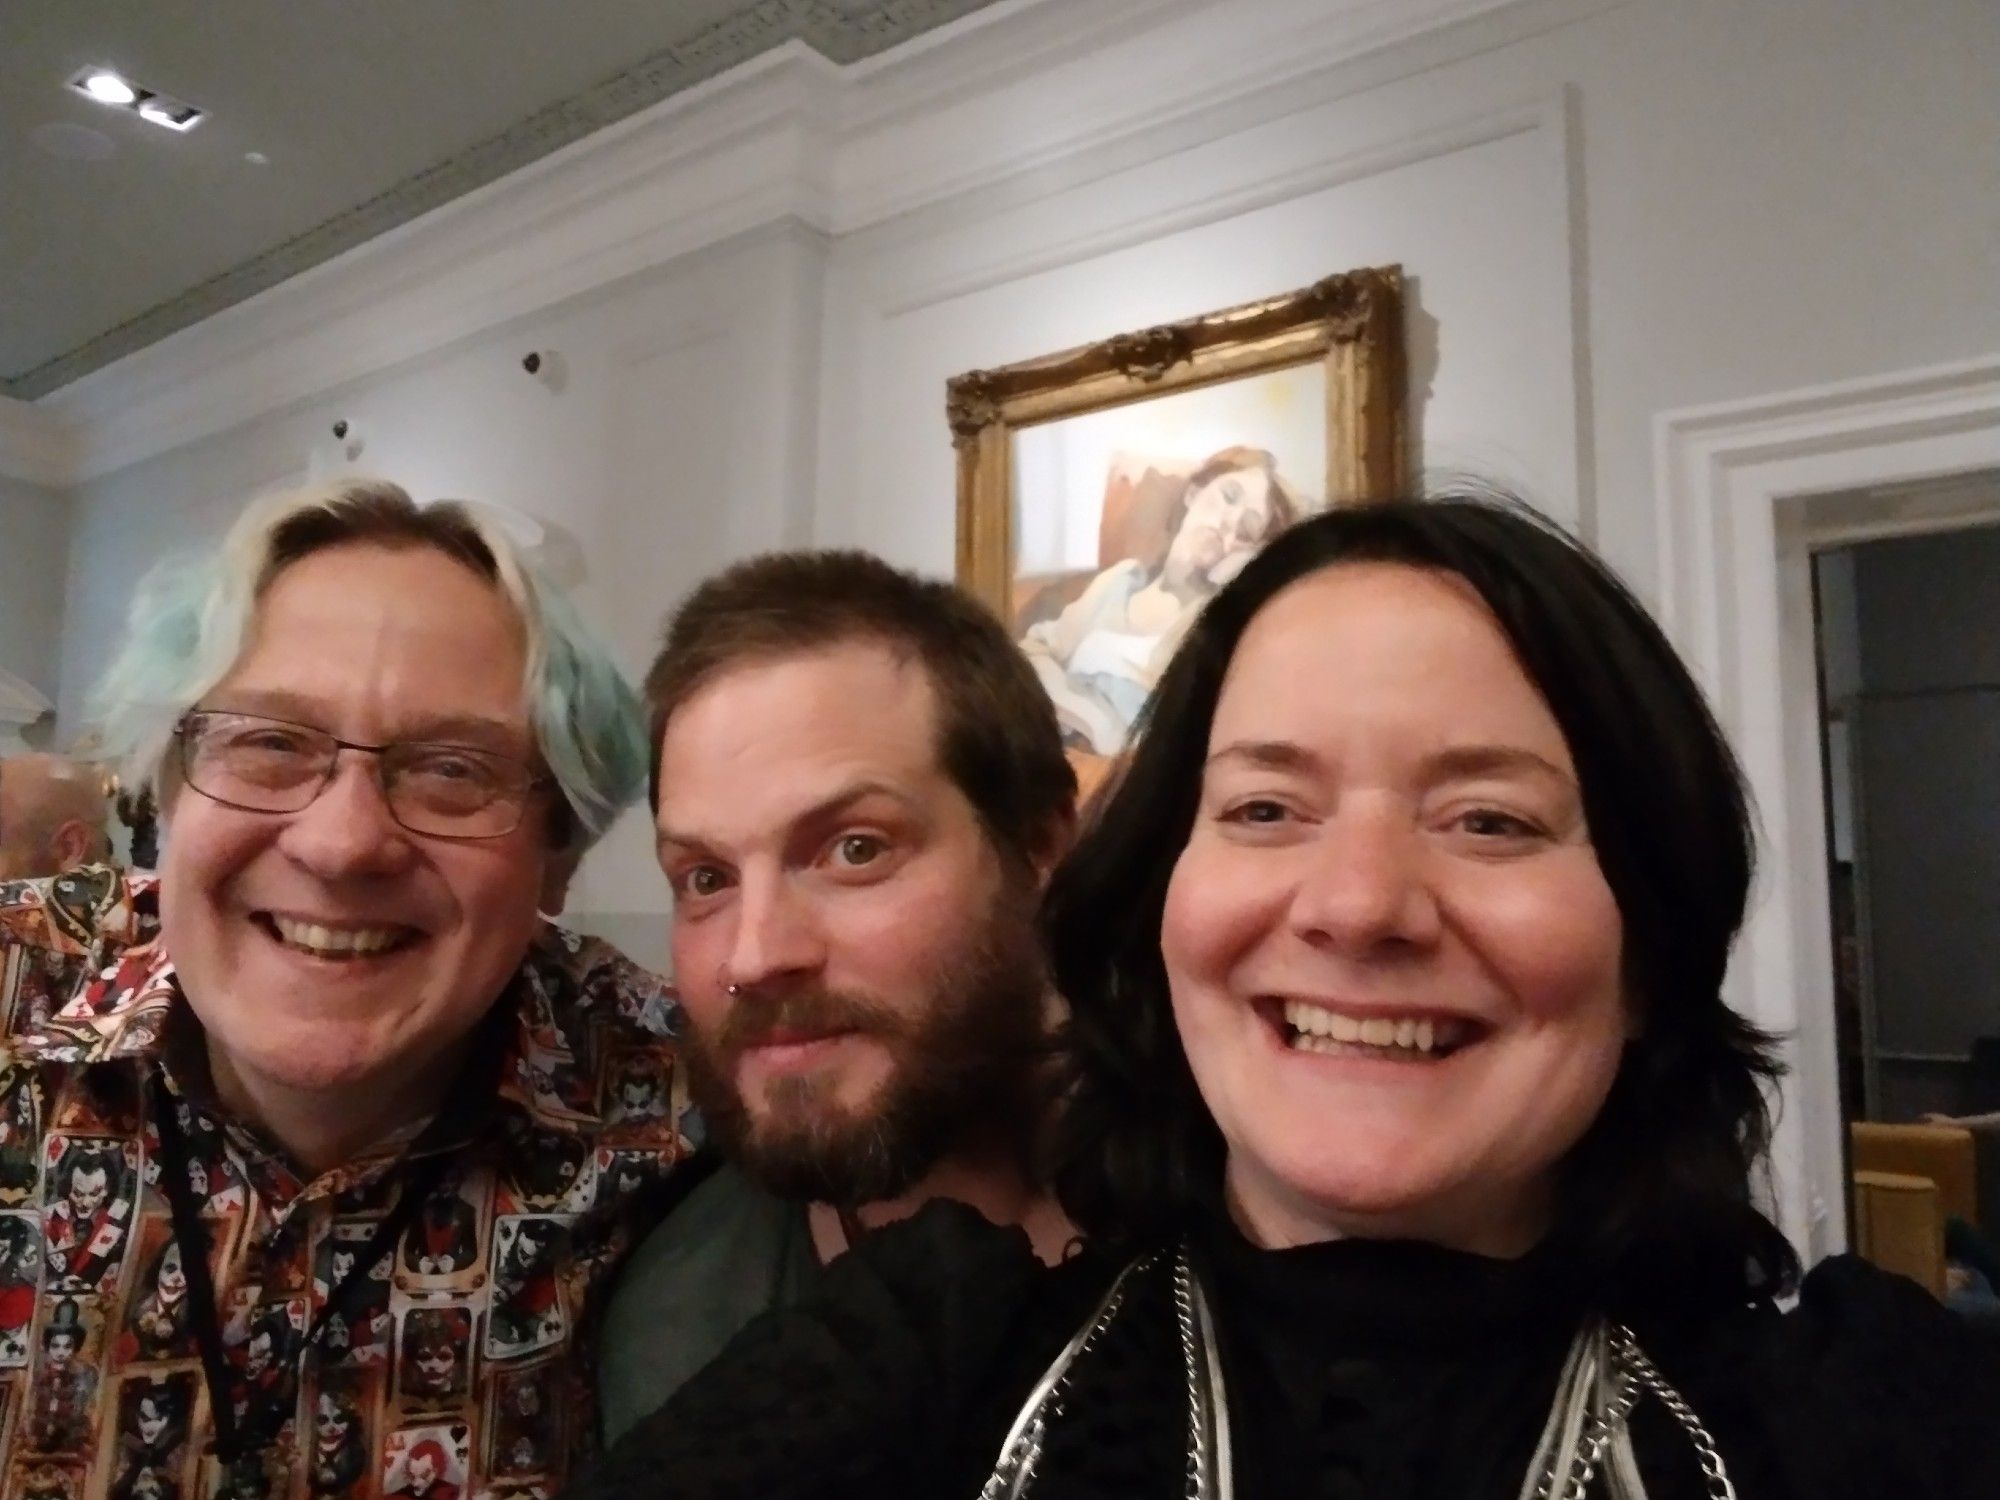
{"x":732,"y":990}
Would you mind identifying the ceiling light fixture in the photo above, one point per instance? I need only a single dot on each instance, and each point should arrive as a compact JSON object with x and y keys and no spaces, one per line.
{"x":171,"y":113}
{"x":106,"y":86}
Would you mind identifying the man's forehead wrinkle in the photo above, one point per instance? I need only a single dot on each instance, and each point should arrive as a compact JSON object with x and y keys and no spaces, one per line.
{"x":382,"y":659}
{"x":300,"y":633}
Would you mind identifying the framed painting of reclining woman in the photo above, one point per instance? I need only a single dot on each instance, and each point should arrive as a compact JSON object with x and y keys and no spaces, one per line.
{"x":1105,"y":492}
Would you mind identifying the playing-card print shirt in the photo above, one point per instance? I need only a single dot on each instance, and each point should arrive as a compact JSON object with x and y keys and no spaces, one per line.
{"x":452,"y":1365}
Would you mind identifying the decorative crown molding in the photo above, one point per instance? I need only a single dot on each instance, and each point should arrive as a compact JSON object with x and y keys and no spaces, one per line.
{"x":841,"y":33}
{"x":737,"y":154}
{"x":789,"y":141}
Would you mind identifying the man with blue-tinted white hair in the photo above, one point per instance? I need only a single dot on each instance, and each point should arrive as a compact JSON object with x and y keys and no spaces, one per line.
{"x":321,"y":1120}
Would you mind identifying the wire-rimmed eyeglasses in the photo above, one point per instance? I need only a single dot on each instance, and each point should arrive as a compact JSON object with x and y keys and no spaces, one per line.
{"x":265,"y":765}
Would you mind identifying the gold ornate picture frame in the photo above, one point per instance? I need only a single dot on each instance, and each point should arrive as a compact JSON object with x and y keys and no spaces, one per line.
{"x":1104,"y":490}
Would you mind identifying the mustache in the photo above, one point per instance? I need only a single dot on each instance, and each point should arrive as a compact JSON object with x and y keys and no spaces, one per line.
{"x":754,"y":1018}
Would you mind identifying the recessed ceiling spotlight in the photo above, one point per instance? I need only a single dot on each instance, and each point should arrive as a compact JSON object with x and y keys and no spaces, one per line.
{"x":171,"y":113}
{"x":106,"y":86}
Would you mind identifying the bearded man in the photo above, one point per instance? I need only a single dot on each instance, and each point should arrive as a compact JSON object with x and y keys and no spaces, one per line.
{"x":859,"y":789}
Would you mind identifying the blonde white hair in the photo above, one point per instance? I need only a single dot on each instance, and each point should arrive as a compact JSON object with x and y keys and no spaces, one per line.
{"x":192,"y":616}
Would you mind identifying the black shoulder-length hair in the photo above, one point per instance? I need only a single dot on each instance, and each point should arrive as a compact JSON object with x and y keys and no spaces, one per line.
{"x":1660,"y":1183}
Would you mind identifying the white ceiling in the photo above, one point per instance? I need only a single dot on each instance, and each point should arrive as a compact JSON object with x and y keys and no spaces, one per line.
{"x":369,"y":112}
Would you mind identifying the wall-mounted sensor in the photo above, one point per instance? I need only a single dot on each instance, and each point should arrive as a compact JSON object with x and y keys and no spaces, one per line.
{"x":349,"y":437}
{"x":548,"y":367}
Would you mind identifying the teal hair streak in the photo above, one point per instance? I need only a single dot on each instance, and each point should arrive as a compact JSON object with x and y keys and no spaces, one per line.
{"x":184,"y":630}
{"x":588,"y":719}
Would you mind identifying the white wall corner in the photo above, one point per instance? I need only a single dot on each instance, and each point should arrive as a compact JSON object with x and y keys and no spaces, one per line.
{"x":1733,"y":485}
{"x":37,"y":446}
{"x":800,"y":294}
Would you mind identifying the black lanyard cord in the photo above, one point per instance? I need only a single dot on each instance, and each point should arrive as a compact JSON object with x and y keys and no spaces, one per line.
{"x":191,"y":1234}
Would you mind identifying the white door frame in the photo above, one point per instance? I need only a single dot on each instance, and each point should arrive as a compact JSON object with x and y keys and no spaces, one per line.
{"x":1737,"y":522}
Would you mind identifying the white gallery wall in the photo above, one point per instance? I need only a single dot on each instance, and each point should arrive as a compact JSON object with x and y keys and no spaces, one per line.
{"x":1480,"y":186}
{"x":755,"y":292}
{"x":34,"y":540}
{"x":658,"y":441}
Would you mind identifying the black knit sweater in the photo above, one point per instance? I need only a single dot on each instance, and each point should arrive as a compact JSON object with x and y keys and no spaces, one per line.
{"x":1352,"y":1369}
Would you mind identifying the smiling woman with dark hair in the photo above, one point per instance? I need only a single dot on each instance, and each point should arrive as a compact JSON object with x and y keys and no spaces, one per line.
{"x":1412,"y":1134}
{"x":1610,"y":744}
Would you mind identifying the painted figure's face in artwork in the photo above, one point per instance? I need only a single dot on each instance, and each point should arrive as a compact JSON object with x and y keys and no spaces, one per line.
{"x":1228,"y":518}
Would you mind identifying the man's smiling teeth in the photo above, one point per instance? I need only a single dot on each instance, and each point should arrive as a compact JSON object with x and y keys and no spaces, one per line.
{"x":1315,"y":1029}
{"x":344,"y":940}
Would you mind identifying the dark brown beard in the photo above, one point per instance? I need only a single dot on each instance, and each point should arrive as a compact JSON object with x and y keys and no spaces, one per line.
{"x":965,"y":1062}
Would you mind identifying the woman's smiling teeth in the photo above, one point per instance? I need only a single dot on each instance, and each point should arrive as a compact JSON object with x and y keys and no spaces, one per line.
{"x":1313,"y":1028}
{"x":337,"y":942}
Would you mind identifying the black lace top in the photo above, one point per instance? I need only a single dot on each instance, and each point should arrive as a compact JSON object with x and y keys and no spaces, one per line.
{"x":1352,"y":1369}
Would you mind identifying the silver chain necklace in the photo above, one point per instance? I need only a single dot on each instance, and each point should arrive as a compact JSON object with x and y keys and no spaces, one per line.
{"x":1604,"y":1376}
